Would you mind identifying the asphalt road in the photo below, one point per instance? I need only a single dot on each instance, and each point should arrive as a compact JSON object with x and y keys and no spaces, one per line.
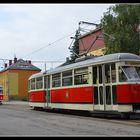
{"x":18,"y":119}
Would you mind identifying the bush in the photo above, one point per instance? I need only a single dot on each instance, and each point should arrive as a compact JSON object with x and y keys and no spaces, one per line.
{"x":17,"y":98}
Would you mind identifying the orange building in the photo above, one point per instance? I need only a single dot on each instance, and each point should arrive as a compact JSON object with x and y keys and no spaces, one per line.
{"x":14,"y":79}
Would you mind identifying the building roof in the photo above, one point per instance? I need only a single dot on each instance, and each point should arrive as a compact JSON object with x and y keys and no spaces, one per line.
{"x":21,"y":65}
{"x":91,"y":32}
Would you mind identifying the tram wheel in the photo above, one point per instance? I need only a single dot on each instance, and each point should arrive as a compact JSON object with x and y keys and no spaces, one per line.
{"x":126,"y":116}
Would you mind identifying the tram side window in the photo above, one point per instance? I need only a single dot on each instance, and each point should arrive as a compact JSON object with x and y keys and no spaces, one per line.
{"x":113,"y":73}
{"x":101,"y":95}
{"x":107,"y":73}
{"x":114,"y":95}
{"x":95,"y":75}
{"x":67,"y":78}
{"x":81,"y":76}
{"x":96,"y":95}
{"x":138,"y":70}
{"x":100,"y":74}
{"x":56,"y":80}
{"x":108,"y":95}
{"x":39,"y":83}
{"x":32,"y":84}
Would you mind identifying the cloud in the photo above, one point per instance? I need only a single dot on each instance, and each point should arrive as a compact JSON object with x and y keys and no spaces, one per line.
{"x":27,"y":27}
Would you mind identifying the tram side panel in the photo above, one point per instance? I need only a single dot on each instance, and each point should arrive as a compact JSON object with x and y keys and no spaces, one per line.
{"x":79,"y":98}
{"x":1,"y":98}
{"x":72,"y":95}
{"x":1,"y":95}
{"x":37,"y":98}
{"x":129,"y":95}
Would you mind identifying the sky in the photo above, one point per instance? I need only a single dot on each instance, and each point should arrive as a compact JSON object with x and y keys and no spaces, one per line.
{"x":41,"y":32}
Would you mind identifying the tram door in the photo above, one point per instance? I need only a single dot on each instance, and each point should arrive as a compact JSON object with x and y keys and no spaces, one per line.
{"x":104,"y":79}
{"x":47,"y":79}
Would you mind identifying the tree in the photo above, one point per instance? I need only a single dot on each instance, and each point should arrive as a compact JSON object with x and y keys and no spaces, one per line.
{"x":122,"y":25}
{"x":75,"y":47}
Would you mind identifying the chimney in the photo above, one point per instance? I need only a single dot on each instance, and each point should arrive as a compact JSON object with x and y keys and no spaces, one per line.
{"x":10,"y":62}
{"x":67,"y":59}
{"x":15,"y":59}
{"x":5,"y":65}
{"x":29,"y":61}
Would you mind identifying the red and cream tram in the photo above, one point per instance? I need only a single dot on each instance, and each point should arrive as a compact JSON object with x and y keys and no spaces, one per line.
{"x":1,"y":94}
{"x":106,"y":84}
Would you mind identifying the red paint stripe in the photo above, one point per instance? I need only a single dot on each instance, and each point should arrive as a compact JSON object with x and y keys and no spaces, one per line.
{"x":71,"y":95}
{"x":1,"y":97}
{"x":37,"y":96}
{"x":129,"y":93}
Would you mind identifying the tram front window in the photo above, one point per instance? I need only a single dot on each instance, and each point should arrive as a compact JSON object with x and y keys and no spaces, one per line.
{"x":129,"y":73}
{"x":138,"y":70}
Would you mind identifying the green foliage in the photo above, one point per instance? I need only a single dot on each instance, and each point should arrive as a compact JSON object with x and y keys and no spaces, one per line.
{"x":122,"y":24}
{"x":17,"y":98}
{"x":75,"y":47}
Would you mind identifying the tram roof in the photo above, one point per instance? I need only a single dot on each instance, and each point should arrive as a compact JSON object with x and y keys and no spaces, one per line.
{"x":36,"y":75}
{"x":94,"y":61}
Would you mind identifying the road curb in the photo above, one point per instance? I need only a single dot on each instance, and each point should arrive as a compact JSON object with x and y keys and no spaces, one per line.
{"x":16,"y":102}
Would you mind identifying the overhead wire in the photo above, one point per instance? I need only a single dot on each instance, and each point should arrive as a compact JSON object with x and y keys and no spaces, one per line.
{"x":49,"y":44}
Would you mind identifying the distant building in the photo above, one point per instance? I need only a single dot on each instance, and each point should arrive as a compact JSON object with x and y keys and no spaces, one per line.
{"x":88,"y":43}
{"x":14,"y":79}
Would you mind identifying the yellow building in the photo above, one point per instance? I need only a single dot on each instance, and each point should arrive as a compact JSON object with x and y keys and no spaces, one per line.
{"x":14,"y":79}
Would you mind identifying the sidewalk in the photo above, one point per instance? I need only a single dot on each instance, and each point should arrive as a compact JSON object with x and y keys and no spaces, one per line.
{"x":16,"y":102}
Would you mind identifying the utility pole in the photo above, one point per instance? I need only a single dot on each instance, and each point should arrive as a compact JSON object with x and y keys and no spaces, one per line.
{"x":45,"y":66}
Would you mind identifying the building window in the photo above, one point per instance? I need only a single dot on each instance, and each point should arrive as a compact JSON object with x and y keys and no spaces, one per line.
{"x":24,"y":66}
